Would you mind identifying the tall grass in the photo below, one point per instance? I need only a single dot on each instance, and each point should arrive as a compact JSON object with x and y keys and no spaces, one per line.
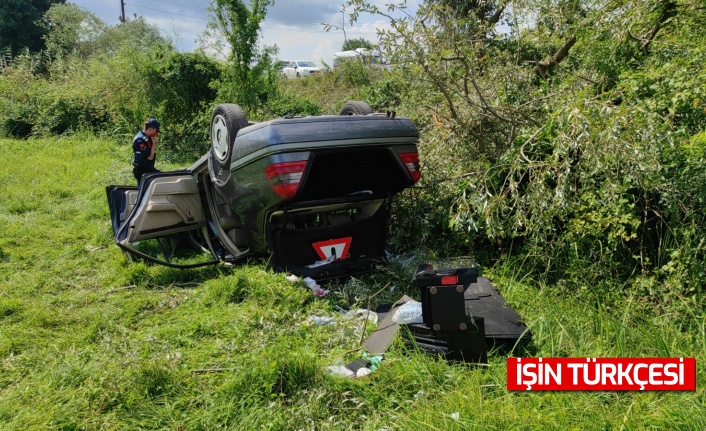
{"x":91,"y":341}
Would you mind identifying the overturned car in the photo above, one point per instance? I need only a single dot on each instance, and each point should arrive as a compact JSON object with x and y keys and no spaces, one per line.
{"x":313,"y":193}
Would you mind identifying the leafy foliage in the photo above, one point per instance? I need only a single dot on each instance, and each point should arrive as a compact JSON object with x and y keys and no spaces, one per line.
{"x":72,"y":30}
{"x":546,"y":134}
{"x":89,"y":340}
{"x":182,"y":85}
{"x":251,"y":70}
{"x":578,"y":183}
{"x":352,"y":44}
{"x":20,"y":28}
{"x":108,"y":79}
{"x":569,"y":140}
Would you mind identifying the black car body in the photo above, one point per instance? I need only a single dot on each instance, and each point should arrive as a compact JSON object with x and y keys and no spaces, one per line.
{"x":312,"y":192}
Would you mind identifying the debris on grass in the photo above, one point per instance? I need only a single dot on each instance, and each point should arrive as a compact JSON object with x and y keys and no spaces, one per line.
{"x":310,"y":283}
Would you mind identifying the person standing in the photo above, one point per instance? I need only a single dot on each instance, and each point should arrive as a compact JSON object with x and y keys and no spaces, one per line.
{"x":144,"y":148}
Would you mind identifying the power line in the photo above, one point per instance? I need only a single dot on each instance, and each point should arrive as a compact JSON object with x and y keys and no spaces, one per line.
{"x":295,"y":22}
{"x":200,"y":9}
{"x":182,"y":5}
{"x":267,"y":25}
{"x":266,"y":19}
{"x":315,"y":31}
{"x":164,"y":11}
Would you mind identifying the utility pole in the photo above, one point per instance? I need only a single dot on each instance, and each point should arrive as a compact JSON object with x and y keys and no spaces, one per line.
{"x":122,"y":8}
{"x":343,"y":23}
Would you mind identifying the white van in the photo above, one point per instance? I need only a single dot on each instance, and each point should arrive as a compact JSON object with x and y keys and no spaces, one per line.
{"x":365,"y":55}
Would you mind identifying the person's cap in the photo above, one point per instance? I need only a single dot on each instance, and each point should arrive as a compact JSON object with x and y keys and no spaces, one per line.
{"x":152,"y":122}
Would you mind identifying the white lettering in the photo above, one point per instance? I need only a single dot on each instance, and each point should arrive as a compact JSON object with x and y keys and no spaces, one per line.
{"x":655,"y":374}
{"x":526,"y":372}
{"x":597,"y":374}
{"x":575,"y":372}
{"x":673,"y":375}
{"x":639,"y":381}
{"x":624,"y":374}
{"x":549,"y":372}
{"x":607,"y":374}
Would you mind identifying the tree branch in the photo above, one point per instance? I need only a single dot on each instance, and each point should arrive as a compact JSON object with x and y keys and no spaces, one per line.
{"x":494,"y":18}
{"x":543,"y":67}
{"x":668,"y":9}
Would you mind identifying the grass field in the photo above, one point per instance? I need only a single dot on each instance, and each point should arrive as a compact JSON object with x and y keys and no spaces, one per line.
{"x":90,"y":341}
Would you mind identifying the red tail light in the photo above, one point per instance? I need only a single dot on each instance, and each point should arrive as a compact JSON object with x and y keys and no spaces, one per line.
{"x":411,"y":161}
{"x":284,"y":177}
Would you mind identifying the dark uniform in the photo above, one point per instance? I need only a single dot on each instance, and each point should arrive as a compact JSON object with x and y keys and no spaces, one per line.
{"x":142,"y":148}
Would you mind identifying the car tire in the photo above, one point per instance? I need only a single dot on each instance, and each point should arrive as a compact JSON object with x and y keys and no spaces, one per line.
{"x":226,"y":120}
{"x":356,"y":108}
{"x":298,"y":75}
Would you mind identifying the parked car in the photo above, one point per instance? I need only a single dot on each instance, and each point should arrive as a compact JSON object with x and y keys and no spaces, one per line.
{"x":301,"y":69}
{"x":365,"y":56}
{"x":313,"y":193}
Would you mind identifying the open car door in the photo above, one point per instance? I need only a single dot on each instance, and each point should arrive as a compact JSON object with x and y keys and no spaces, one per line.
{"x":163,"y":221}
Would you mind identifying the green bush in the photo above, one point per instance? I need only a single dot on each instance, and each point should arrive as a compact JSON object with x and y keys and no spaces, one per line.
{"x":182,"y":95}
{"x":387,"y":93}
{"x":113,"y":95}
{"x":181,"y":85}
{"x":354,"y":73}
{"x":17,"y":120}
{"x":65,"y":115}
{"x":289,"y":105}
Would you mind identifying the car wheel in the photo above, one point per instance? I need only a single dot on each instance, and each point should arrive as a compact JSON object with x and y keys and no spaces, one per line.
{"x":356,"y":108}
{"x":298,"y":75}
{"x":226,"y":120}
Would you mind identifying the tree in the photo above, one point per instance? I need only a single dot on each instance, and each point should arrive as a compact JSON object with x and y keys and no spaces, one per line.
{"x":240,"y":27}
{"x":20,"y":26}
{"x":136,"y":33}
{"x":71,"y":30}
{"x":571,"y":138}
{"x":182,"y":81}
{"x":352,"y":44}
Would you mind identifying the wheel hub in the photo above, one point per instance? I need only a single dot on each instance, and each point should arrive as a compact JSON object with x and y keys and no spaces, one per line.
{"x":219,"y":137}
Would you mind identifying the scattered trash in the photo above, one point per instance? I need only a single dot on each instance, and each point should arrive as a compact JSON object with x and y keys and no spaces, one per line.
{"x":373,"y":361}
{"x":314,"y":286}
{"x":359,"y":368}
{"x":383,"y":336}
{"x":322,"y":262}
{"x":407,"y":313}
{"x":321,"y":320}
{"x":363,"y":371}
{"x":455,"y":415}
{"x":340,"y":370}
{"x":401,"y":259}
{"x":339,"y":309}
{"x":370,"y":315}
{"x":310,"y":283}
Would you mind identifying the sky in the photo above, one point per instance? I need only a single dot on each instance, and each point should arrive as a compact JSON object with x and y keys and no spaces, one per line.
{"x":293,"y":25}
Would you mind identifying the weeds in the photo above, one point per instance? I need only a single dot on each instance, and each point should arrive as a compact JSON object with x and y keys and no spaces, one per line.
{"x":89,"y":340}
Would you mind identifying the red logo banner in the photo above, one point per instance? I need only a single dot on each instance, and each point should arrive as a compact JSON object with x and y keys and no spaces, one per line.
{"x":601,"y":374}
